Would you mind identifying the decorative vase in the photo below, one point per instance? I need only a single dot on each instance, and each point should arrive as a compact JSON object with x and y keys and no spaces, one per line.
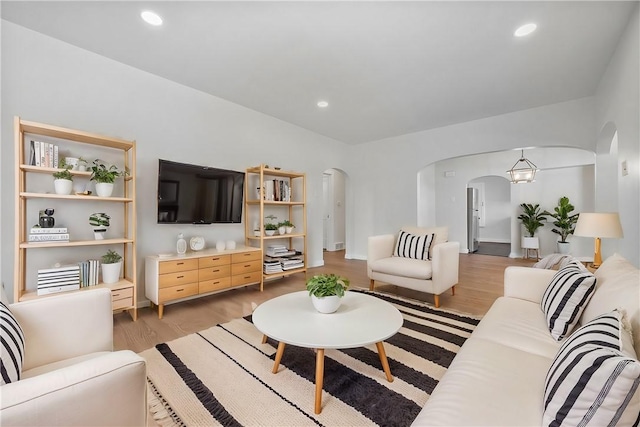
{"x":181,"y":245}
{"x":111,"y":272}
{"x":326,"y":305}
{"x":220,"y":245}
{"x":63,"y":186}
{"x":289,"y":230}
{"x":104,"y":189}
{"x":564,"y":247}
{"x":231,"y":244}
{"x":282,"y":230}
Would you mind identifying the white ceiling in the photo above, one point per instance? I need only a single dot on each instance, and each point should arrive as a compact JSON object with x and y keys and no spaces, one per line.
{"x":386,"y":68}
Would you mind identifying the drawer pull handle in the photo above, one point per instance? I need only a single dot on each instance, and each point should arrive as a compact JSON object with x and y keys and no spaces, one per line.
{"x":116,"y":295}
{"x":215,"y":259}
{"x":215,"y":271}
{"x":247,"y":277}
{"x":179,"y":290}
{"x":179,"y":277}
{"x":180,"y":263}
{"x":248,"y":265}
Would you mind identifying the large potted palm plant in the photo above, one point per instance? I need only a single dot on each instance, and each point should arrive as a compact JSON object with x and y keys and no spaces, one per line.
{"x":565,"y":223}
{"x":531,"y":218}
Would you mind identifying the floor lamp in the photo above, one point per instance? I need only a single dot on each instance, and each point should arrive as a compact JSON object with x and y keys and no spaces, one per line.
{"x":598,"y":225}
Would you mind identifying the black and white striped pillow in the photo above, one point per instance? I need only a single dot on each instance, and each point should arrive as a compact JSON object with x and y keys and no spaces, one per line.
{"x":594,"y":378}
{"x":566,"y":296}
{"x":412,"y":246}
{"x":12,"y":339}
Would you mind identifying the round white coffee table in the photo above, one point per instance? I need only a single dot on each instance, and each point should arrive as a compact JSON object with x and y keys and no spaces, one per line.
{"x":361,"y":320}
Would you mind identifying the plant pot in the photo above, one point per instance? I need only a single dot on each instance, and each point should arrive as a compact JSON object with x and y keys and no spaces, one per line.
{"x":530,"y":243}
{"x":564,"y":248}
{"x":111,"y":272}
{"x":326,"y":305}
{"x":269,"y":232}
{"x":98,"y":233}
{"x":63,"y":186}
{"x":104,"y":189}
{"x":282,"y":230}
{"x":289,"y":230}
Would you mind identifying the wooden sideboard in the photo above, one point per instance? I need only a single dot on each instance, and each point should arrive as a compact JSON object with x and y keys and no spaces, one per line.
{"x":172,"y":278}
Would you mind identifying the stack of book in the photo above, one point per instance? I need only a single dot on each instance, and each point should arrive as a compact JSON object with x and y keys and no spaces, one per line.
{"x":43,"y":154}
{"x":89,"y":272}
{"x":292,"y":263}
{"x":277,"y":190}
{"x":272,"y":266}
{"x":279,"y":251}
{"x":58,"y":279}
{"x":51,"y":235}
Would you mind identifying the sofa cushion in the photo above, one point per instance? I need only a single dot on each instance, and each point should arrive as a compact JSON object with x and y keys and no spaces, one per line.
{"x":591,"y":381}
{"x":442,"y":233}
{"x":617,"y":286}
{"x":518,"y":324}
{"x":12,"y":348}
{"x":413,"y":246}
{"x":565,"y":298}
{"x":403,"y":267}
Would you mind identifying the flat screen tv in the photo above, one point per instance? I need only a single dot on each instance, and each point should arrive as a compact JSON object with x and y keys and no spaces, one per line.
{"x":190,"y":194}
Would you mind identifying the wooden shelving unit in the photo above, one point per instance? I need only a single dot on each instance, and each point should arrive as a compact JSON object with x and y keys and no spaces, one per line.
{"x":124,"y":292}
{"x":256,"y":207}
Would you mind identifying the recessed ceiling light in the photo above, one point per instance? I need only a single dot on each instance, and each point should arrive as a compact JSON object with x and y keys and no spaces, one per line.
{"x":525,"y":30}
{"x":151,"y":17}
{"x":323,"y":104}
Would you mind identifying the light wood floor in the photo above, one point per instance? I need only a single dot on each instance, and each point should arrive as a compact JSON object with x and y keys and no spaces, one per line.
{"x":480,"y":283}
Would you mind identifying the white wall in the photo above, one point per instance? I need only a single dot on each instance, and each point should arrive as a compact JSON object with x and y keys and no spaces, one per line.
{"x":618,"y":104}
{"x":48,"y":81}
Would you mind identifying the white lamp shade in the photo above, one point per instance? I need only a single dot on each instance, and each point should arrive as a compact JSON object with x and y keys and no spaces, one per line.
{"x":603,"y":225}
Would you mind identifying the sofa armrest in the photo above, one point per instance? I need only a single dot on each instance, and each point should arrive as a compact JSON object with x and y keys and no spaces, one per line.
{"x":379,"y":247}
{"x":445,"y":262}
{"x":107,"y":390}
{"x":526,"y":283}
{"x":63,"y":326}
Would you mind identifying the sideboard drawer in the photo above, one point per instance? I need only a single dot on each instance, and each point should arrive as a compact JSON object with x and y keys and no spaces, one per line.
{"x":247,"y":278}
{"x":177,"y":265}
{"x":179,"y":278}
{"x":246,"y":256}
{"x":246,"y":267}
{"x":175,"y":292}
{"x":214,"y":284}
{"x":214,"y":272}
{"x":213,"y":260}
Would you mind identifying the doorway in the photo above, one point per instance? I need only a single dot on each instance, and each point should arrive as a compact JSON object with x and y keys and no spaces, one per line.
{"x":334,"y":217}
{"x":490,"y":219}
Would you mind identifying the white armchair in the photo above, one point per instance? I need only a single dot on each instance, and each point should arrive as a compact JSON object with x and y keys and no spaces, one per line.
{"x":432,"y":276}
{"x":71,"y":376}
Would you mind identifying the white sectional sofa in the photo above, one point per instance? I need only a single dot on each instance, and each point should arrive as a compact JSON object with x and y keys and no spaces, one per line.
{"x":498,"y":377}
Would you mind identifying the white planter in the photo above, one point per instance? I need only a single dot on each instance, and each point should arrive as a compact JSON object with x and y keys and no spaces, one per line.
{"x":269,"y":232}
{"x":564,"y":248}
{"x":104,"y":189}
{"x":282,"y":230}
{"x":63,"y":186}
{"x":289,"y":230}
{"x":530,"y":243}
{"x":98,"y":233}
{"x":220,"y":245}
{"x":326,"y":305}
{"x":111,"y":272}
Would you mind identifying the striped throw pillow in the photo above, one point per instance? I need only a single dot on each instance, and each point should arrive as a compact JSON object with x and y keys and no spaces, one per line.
{"x":566,"y":296}
{"x":594,"y":378}
{"x":412,"y":246}
{"x":12,"y":339}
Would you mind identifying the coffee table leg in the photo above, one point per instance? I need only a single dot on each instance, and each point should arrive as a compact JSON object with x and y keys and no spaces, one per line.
{"x":278,"y":357}
{"x":384,"y":361}
{"x":319,"y":379}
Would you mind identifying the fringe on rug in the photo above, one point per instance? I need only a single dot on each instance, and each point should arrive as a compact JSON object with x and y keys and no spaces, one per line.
{"x":160,"y":409}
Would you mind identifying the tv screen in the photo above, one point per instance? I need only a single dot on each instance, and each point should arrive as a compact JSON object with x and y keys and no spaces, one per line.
{"x":190,"y":194}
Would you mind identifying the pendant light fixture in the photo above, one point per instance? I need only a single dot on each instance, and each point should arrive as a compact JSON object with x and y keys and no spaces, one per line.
{"x":523,"y":171}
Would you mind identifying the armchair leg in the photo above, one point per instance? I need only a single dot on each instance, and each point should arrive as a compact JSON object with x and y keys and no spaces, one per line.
{"x":437,"y":300}
{"x":371,"y":286}
{"x":453,"y":290}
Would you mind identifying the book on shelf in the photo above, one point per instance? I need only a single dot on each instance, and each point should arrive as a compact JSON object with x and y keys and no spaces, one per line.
{"x":36,"y":153}
{"x":52,"y":230}
{"x":60,"y":237}
{"x":56,"y":289}
{"x":58,"y":270}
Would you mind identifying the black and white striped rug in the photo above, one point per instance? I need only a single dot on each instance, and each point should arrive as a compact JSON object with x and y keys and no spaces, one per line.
{"x":222,"y":376}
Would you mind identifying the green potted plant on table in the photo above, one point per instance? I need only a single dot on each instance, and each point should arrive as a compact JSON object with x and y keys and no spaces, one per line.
{"x":111,"y":267}
{"x":565,"y":223}
{"x":326,"y":291}
{"x":531,"y":217}
{"x":63,"y":180}
{"x":104,"y":177}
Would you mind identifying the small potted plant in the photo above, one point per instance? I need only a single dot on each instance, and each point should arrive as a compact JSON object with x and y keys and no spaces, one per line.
{"x":282,"y":229}
{"x":63,"y":180}
{"x":111,"y":266}
{"x":104,"y":177}
{"x":270,"y":228}
{"x":326,"y":291}
{"x":288,"y":226}
{"x":100,"y":222}
{"x":82,"y":164}
{"x":564,"y":222}
{"x":531,"y":218}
